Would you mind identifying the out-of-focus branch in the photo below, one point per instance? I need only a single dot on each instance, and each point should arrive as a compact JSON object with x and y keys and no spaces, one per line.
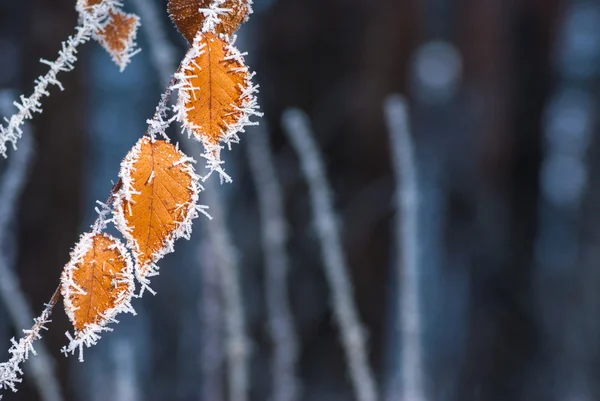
{"x":162,"y":52}
{"x":407,"y":226}
{"x":235,"y":325}
{"x":211,"y":307}
{"x":274,"y":238}
{"x":297,"y":127}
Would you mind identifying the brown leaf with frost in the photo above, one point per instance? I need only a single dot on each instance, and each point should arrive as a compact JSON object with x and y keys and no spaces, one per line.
{"x":215,"y":91}
{"x":157,"y":201}
{"x":187,"y":18}
{"x":97,"y":283}
{"x":118,"y":36}
{"x":86,"y":4}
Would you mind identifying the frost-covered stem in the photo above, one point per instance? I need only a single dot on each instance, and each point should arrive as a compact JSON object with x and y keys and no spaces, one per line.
{"x":162,"y":52}
{"x":274,"y":238}
{"x":41,"y":368}
{"x":11,"y":187}
{"x":297,"y":127}
{"x":11,"y":370}
{"x":407,"y":226}
{"x":65,"y":62}
{"x":235,"y":325}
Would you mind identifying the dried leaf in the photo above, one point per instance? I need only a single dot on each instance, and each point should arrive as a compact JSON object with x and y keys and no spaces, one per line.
{"x":115,"y":30}
{"x":216,"y":96}
{"x":189,"y":20}
{"x":118,"y":36}
{"x":97,"y":283}
{"x":157,"y":201}
{"x":86,"y":4}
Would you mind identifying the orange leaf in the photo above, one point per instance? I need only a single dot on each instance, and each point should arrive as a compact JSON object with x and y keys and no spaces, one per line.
{"x":115,"y":31}
{"x":215,"y":96}
{"x":86,"y":4}
{"x":97,"y":283}
{"x":189,"y":20}
{"x":118,"y":36}
{"x":157,"y":201}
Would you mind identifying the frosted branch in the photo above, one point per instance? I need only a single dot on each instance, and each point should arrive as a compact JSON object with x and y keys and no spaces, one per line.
{"x":407,"y":226}
{"x":297,"y":127}
{"x":274,"y":237}
{"x":13,"y":181}
{"x":67,"y":57}
{"x":20,"y":351}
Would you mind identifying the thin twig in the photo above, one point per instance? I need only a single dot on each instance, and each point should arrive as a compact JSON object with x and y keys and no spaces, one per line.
{"x":274,"y":239}
{"x":11,"y":370}
{"x":297,"y":127}
{"x":407,"y":225}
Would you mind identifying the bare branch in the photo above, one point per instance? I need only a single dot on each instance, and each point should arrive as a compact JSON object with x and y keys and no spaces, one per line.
{"x":277,"y":264}
{"x":407,"y":212}
{"x":211,"y":307}
{"x":298,"y":130}
{"x":226,"y":260}
{"x":162,"y":52}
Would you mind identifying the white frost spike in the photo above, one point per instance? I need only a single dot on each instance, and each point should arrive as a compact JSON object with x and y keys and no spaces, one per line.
{"x":91,"y":333}
{"x":183,"y":228}
{"x":248,"y":108}
{"x":212,"y":15}
{"x":215,"y":10}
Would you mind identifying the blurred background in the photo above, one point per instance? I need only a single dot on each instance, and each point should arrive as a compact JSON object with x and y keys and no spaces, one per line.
{"x":502,"y":97}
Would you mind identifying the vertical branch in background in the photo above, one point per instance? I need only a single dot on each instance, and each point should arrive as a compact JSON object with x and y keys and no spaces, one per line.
{"x":561,"y":273}
{"x":277,"y":265}
{"x":407,"y":225}
{"x":297,"y":127}
{"x":211,"y":306}
{"x":235,"y":325}
{"x":124,"y":376}
{"x":11,"y":187}
{"x":162,"y":52}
